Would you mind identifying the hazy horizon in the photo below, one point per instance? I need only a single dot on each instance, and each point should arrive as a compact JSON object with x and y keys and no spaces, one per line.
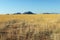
{"x":36,"y":6}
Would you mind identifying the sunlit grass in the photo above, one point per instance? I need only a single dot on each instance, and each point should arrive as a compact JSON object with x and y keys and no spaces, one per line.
{"x":30,"y":27}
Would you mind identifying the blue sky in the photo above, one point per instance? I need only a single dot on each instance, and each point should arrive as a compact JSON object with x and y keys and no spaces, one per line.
{"x":36,"y":6}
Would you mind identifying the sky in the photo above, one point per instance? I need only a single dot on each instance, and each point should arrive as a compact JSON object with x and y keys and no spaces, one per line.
{"x":36,"y":6}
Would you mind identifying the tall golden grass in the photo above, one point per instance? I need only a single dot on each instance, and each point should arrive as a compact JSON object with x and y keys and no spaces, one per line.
{"x":30,"y":27}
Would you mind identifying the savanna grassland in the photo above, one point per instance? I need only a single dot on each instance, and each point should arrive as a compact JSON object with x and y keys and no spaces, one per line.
{"x":30,"y":27}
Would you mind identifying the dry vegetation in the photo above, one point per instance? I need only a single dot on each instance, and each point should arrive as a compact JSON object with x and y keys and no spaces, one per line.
{"x":30,"y":27}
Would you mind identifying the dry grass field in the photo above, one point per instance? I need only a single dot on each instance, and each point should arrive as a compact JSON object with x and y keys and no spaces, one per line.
{"x":30,"y":27}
